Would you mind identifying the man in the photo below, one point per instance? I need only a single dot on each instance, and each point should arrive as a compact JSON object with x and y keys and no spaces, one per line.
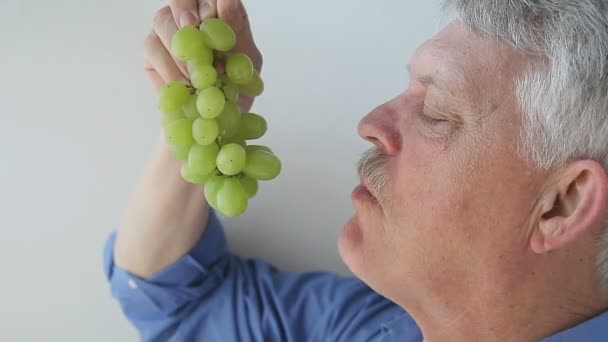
{"x":481,"y":214}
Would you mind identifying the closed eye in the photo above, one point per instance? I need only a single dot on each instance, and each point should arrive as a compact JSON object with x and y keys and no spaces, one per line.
{"x":431,"y":120}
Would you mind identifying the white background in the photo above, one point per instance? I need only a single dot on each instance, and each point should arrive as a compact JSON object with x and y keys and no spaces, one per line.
{"x":79,"y":120}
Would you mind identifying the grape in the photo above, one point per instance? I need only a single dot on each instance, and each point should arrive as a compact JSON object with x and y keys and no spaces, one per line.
{"x":203,"y":76}
{"x":190,"y":110}
{"x":180,"y":152}
{"x":203,"y":123}
{"x":231,"y":91}
{"x":258,"y":147}
{"x":234,"y":140}
{"x":232,"y":198}
{"x":171,"y":117}
{"x":210,"y":102}
{"x":250,"y":185}
{"x":255,"y":87}
{"x":201,"y":159}
{"x":187,"y":43}
{"x":213,"y":185}
{"x":193,"y":177}
{"x":261,"y":165}
{"x":173,"y":96}
{"x":231,"y":159}
{"x":253,"y":126}
{"x":205,"y":131}
{"x":179,"y":132}
{"x":204,"y":57}
{"x":229,"y":120}
{"x":218,"y":35}
{"x":239,"y":68}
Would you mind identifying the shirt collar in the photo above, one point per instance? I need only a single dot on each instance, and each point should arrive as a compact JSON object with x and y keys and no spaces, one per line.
{"x":593,"y":330}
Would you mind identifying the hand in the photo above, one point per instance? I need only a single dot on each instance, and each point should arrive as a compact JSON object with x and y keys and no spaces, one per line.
{"x":162,"y":67}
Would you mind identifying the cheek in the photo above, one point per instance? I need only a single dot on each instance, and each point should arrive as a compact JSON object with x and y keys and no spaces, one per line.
{"x":430,"y":198}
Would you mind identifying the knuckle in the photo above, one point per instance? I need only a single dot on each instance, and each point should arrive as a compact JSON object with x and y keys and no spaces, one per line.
{"x":162,"y":15}
{"x":151,"y":42}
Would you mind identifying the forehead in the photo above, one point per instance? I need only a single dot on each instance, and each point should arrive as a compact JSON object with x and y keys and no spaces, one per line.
{"x":462,"y":63}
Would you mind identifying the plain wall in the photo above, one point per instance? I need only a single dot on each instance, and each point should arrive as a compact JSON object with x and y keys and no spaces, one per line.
{"x":79,"y":120}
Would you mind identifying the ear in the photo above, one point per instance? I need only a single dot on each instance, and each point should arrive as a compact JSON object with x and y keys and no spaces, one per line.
{"x":570,"y":206}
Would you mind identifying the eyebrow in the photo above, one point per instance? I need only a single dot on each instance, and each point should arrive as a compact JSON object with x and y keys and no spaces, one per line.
{"x":429,"y":80}
{"x":425,"y":80}
{"x":453,"y":90}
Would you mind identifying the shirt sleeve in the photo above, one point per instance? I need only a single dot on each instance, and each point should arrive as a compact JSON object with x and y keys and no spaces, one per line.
{"x":212,"y":295}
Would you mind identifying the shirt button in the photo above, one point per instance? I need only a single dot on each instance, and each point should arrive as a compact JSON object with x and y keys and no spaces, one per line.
{"x":132,"y":284}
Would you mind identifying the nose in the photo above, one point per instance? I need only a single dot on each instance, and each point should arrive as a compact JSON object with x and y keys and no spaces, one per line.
{"x":380,"y":127}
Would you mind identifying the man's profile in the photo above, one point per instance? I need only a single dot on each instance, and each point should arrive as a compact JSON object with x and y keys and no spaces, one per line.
{"x":482,"y":213}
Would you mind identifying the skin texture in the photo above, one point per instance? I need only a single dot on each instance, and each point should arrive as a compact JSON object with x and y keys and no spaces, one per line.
{"x":166,"y":216}
{"x":468,"y":236}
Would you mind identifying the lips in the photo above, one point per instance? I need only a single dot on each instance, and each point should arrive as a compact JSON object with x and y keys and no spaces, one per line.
{"x":361,"y":192}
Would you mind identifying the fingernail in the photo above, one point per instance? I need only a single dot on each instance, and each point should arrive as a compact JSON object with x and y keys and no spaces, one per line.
{"x":187,"y":19}
{"x":204,"y":9}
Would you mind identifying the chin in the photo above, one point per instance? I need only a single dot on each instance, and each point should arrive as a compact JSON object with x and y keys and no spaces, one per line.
{"x":351,"y":244}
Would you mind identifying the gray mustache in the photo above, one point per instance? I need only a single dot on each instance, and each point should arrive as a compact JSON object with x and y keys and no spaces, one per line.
{"x":372,"y":166}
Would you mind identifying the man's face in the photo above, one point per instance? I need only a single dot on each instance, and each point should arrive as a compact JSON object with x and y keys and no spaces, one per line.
{"x":448,"y":194}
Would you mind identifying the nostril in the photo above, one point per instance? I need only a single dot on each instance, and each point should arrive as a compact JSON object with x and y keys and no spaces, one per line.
{"x":374,"y":141}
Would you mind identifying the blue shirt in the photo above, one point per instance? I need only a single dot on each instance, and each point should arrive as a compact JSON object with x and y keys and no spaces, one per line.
{"x":212,"y":295}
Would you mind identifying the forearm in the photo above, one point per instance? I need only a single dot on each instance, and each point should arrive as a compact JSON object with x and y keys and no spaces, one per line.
{"x":166,"y":215}
{"x":165,"y":218}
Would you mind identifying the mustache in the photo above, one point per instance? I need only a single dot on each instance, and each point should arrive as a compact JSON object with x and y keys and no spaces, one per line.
{"x":372,"y":167}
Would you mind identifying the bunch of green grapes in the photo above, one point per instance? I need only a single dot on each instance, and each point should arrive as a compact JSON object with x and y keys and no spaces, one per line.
{"x":203,"y":124}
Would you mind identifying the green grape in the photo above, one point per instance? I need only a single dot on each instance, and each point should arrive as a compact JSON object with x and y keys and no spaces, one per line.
{"x":203,"y":76}
{"x":210,"y":102}
{"x":187,"y":43}
{"x":168,"y":118}
{"x":253,"y":126}
{"x":239,"y":68}
{"x":179,"y":132}
{"x":232,"y":200}
{"x":180,"y":152}
{"x":193,"y":177}
{"x":231,"y":91}
{"x":250,"y":185}
{"x":229,"y":120}
{"x":261,"y":165}
{"x":205,"y":131}
{"x":190,"y":110}
{"x":233,"y":140}
{"x":258,"y":147}
{"x":231,"y":159}
{"x":201,"y":159}
{"x":203,"y":57}
{"x":172,"y":97}
{"x":254,"y":88}
{"x":212,"y":187}
{"x":218,"y":35}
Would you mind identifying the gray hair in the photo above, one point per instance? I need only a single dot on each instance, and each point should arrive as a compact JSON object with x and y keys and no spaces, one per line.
{"x":564,"y":100}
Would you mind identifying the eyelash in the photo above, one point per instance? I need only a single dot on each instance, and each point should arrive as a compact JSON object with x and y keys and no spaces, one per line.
{"x":430,"y":120}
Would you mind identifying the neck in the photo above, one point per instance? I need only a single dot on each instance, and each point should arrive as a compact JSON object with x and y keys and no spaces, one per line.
{"x":529,"y":307}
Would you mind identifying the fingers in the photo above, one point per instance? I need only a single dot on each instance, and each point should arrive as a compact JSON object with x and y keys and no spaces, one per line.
{"x":234,"y":13}
{"x":207,"y":9}
{"x":160,"y":61}
{"x":185,"y":12}
{"x":165,"y":28}
{"x":157,"y":81}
